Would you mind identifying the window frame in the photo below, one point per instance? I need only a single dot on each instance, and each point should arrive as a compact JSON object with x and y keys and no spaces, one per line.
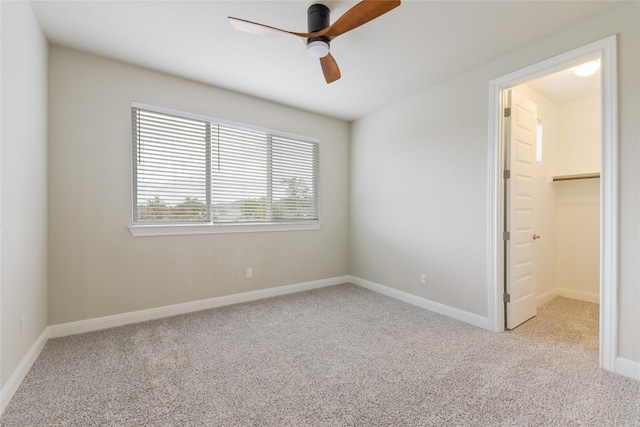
{"x":184,"y":228}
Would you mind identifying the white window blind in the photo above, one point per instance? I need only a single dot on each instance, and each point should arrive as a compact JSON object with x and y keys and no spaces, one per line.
{"x":199,"y":170}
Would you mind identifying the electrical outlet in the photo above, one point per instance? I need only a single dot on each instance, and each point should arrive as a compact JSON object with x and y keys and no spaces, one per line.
{"x":249,"y":273}
{"x":423,"y":279}
{"x":23,"y":326}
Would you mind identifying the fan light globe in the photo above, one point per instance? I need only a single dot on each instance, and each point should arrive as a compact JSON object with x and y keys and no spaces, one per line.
{"x":318,"y":48}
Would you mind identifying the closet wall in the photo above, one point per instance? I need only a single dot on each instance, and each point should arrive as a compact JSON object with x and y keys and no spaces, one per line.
{"x":578,"y":201}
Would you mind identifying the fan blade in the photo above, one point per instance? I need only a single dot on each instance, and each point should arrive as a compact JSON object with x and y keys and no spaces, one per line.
{"x":330,"y":68}
{"x":265,"y":30}
{"x":358,"y":15}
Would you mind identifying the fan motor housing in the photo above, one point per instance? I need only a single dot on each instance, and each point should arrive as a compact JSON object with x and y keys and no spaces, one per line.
{"x":317,"y":19}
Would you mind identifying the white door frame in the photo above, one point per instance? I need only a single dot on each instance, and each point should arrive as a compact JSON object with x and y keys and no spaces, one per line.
{"x":606,"y":49}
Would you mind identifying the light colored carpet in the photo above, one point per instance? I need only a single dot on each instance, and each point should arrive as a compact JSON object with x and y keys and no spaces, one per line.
{"x":337,"y":356}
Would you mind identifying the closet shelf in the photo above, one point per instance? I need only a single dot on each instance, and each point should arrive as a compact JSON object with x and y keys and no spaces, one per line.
{"x":577,"y":176}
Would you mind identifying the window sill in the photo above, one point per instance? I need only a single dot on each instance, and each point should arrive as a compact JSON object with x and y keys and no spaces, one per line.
{"x":183,"y":229}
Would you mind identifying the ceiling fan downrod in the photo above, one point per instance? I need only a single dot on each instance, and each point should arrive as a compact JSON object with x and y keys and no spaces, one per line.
{"x":317,"y":19}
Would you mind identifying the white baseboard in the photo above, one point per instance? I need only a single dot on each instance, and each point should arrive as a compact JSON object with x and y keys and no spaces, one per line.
{"x":105,"y":322}
{"x":628,"y":368}
{"x":546,"y":297}
{"x":579,"y":295}
{"x":436,"y":307}
{"x":21,"y":371}
{"x":567,"y":293}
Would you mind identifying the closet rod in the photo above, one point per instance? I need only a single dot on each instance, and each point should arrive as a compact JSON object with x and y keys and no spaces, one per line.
{"x":573,"y":177}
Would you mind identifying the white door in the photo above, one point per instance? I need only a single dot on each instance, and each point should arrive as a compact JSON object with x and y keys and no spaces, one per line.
{"x":520,"y":161}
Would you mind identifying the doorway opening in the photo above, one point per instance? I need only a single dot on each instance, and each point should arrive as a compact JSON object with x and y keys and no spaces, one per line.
{"x":605,"y":50}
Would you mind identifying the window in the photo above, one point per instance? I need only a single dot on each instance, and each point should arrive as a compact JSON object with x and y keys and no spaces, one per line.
{"x":194,"y":170}
{"x":539,"y":142}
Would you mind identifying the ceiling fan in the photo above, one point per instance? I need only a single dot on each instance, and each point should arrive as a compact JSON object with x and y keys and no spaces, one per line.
{"x":320,"y":33}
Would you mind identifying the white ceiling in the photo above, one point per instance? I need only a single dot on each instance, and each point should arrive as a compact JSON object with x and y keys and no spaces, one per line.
{"x":565,"y":86}
{"x":413,"y":47}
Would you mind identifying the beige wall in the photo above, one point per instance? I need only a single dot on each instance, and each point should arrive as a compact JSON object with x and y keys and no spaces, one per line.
{"x":23,"y":180}
{"x":578,"y":238}
{"x":96,"y":267}
{"x":418,"y":194}
{"x":579,"y":150}
{"x":578,"y":202}
{"x":419,"y":180}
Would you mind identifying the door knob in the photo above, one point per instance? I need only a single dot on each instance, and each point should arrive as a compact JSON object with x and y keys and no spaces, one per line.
{"x":536,"y":237}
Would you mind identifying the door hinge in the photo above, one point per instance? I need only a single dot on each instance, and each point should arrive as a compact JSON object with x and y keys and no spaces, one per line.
{"x":506,"y":297}
{"x":506,"y":174}
{"x":507,"y":112}
{"x":506,"y":235}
